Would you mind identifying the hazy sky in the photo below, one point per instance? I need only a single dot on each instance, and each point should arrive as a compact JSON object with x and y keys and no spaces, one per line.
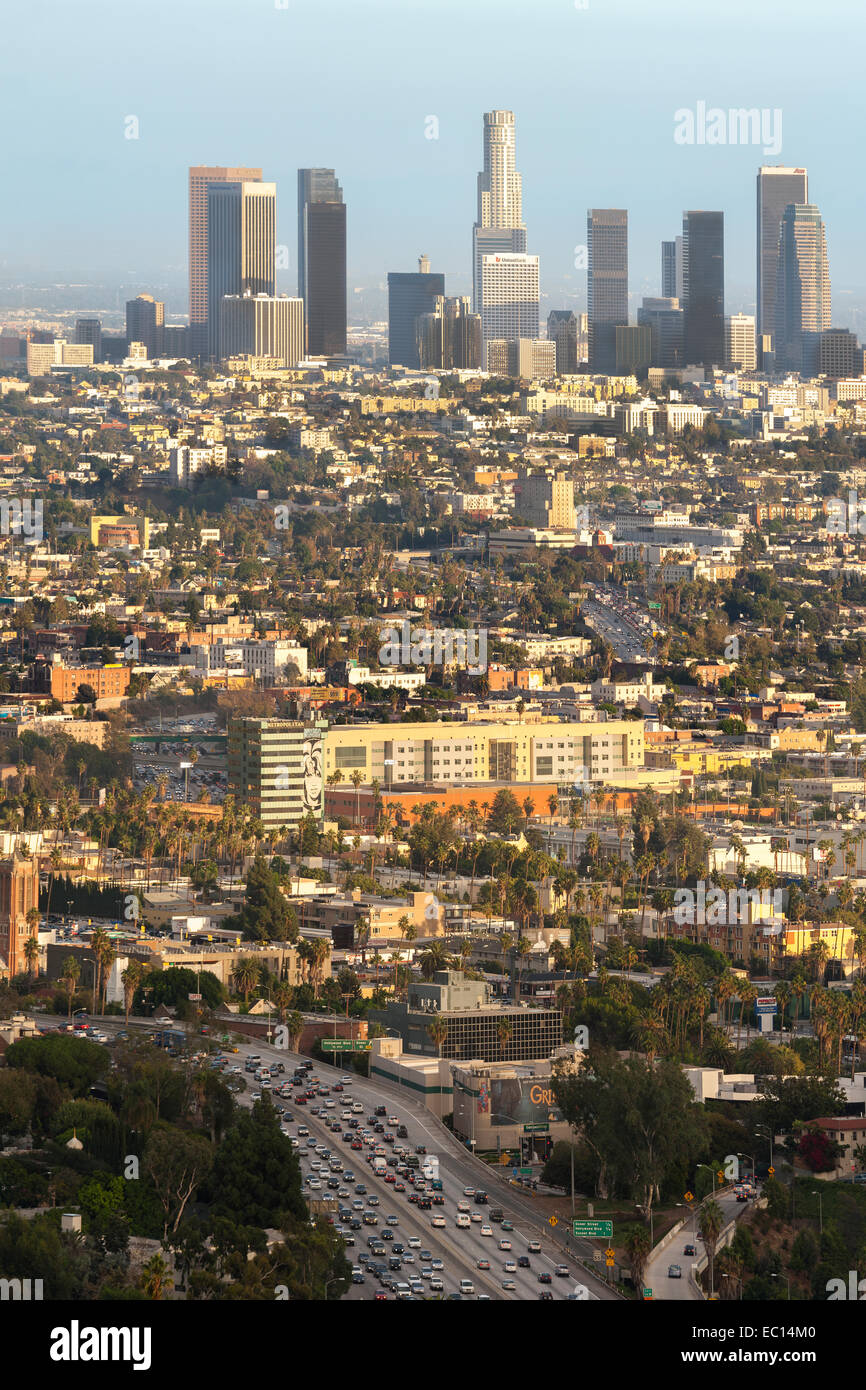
{"x":350,"y":84}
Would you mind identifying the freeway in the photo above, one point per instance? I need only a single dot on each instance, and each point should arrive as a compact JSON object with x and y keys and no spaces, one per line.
{"x":656,"y":1275}
{"x":459,"y":1249}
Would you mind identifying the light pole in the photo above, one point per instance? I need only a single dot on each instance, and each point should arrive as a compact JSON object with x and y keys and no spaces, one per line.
{"x":712,"y":1171}
{"x":652,"y":1230}
{"x":787,"y":1281}
{"x":739,"y":1281}
{"x":752,"y":1157}
{"x":767,"y":1132}
{"x":816,"y":1193}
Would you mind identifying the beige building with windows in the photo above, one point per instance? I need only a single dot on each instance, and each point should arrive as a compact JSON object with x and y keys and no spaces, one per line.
{"x":484,"y":752}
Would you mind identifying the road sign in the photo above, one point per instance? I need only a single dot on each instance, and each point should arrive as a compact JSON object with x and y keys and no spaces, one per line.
{"x":647,"y":1293}
{"x":610,"y":1254}
{"x":593,"y":1230}
{"x":771,"y":1171}
{"x":345,"y":1044}
{"x":553,"y":1221}
{"x":195,"y":997}
{"x":609,"y":1264}
{"x":536,"y":1129}
{"x":526,"y":1172}
{"x":597,"y":1256}
{"x":515,"y":1172}
{"x":690,"y":1196}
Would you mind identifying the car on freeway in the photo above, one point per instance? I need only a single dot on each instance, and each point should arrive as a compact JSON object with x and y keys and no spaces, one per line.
{"x":509,"y":1285}
{"x":523,"y":1262}
{"x":483,"y":1264}
{"x":544,"y":1277}
{"x":475,"y":1218}
{"x":534,"y":1247}
{"x":546,"y":1295}
{"x":689,"y":1250}
{"x":436,"y":1285}
{"x":675,"y":1272}
{"x":510,"y":1266}
{"x":438,"y":1221}
{"x":467,"y":1286}
{"x":562,"y":1271}
{"x":505,"y":1245}
{"x":486,"y":1231}
{"x":414,"y":1243}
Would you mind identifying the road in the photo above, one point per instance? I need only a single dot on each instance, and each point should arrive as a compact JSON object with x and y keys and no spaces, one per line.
{"x":459,"y":1249}
{"x":656,"y":1273}
{"x":625,"y":640}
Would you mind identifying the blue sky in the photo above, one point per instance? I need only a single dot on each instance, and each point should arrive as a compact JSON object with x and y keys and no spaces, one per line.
{"x":350,"y":83}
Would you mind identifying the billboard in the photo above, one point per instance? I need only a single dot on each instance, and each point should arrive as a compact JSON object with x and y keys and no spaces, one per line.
{"x":524,"y":1100}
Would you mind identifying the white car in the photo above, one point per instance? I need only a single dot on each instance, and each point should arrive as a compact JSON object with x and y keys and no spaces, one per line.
{"x":486,"y":1231}
{"x":438,"y":1221}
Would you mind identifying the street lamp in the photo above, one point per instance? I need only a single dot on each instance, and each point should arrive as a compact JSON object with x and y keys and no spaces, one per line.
{"x":752,"y":1157}
{"x":652,"y":1231}
{"x":713,"y":1172}
{"x":787,"y":1281}
{"x":738,"y":1280}
{"x":767,"y":1132}
{"x":819,"y":1195}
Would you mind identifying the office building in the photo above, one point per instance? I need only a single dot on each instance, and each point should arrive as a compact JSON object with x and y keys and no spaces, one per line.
{"x":777,"y":189}
{"x":43,"y":357}
{"x":664,"y":318}
{"x":546,"y":500}
{"x":472,"y":1019}
{"x":90,"y":331}
{"x":449,"y":336}
{"x":200,"y":179}
{"x":562,"y":330}
{"x":509,"y":296}
{"x":268,"y":766}
{"x":410,"y":294}
{"x":802,"y":289}
{"x":632,"y":349}
{"x":263,"y":325}
{"x":606,"y":283}
{"x":704,"y":288}
{"x":499,"y":228}
{"x":740,"y":342}
{"x":145,"y":318}
{"x":241,"y":247}
{"x":531,"y":358}
{"x":479,"y":751}
{"x":322,"y":261}
{"x":839,"y":354}
{"x":175,"y":340}
{"x":672,"y":269}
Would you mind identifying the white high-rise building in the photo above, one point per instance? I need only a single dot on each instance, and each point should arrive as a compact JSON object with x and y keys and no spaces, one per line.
{"x":740,"y":343}
{"x":499,"y":231}
{"x":262,"y":325}
{"x":509,"y":296}
{"x":500,"y":187}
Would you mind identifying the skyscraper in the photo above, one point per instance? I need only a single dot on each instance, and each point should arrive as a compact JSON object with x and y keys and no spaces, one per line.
{"x":498,"y":228}
{"x":740,"y":343}
{"x":802,"y":289}
{"x":241,"y":233}
{"x":262,"y":325}
{"x":90,"y":331}
{"x":704,"y":287}
{"x":322,"y":260}
{"x":606,"y":283}
{"x":410,"y":295}
{"x":145,"y":318}
{"x":449,"y":335}
{"x":511,"y":296}
{"x":562,"y":330}
{"x":200,"y":178}
{"x":672,"y":268}
{"x":664,"y":318}
{"x":778,"y":188}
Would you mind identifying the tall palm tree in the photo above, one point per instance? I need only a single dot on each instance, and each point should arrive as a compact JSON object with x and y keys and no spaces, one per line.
{"x":710,"y":1222}
{"x":504,"y":1032}
{"x":437,"y":1032}
{"x":70,"y":974}
{"x":131,"y":977}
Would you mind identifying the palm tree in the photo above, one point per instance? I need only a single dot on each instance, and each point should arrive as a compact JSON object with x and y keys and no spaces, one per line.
{"x":637,"y":1247}
{"x":356,"y":779}
{"x":245,"y":973}
{"x":504,"y":1032}
{"x":131,"y":978}
{"x":31,"y":955}
{"x":70,"y":974}
{"x":710,"y":1224}
{"x":437,"y":1032}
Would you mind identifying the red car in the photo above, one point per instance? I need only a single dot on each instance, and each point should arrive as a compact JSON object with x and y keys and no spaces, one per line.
{"x":338,"y":1087}
{"x":356,"y":1144}
{"x":381,"y":1296}
{"x":300,"y":1100}
{"x":389,"y":1177}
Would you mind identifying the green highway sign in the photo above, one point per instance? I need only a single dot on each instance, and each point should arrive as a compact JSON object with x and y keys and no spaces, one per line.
{"x":536,"y":1129}
{"x":344,"y":1044}
{"x":526,"y":1172}
{"x":593,"y":1230}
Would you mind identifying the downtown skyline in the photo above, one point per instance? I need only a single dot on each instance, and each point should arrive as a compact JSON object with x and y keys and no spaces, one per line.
{"x":408,"y":193}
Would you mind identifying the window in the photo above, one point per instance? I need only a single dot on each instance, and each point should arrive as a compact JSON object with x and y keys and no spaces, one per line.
{"x":351,"y":756}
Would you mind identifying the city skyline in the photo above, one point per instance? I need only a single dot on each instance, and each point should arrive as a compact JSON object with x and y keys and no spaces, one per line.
{"x":386,"y":160}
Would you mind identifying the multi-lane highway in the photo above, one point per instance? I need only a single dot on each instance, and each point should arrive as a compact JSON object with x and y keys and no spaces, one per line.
{"x":530,"y":1268}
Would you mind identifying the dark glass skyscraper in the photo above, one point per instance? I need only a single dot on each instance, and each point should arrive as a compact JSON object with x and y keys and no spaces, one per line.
{"x":322,"y":260}
{"x":606,"y":283}
{"x":241,"y":247}
{"x":410,"y":294}
{"x":704,"y":287}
